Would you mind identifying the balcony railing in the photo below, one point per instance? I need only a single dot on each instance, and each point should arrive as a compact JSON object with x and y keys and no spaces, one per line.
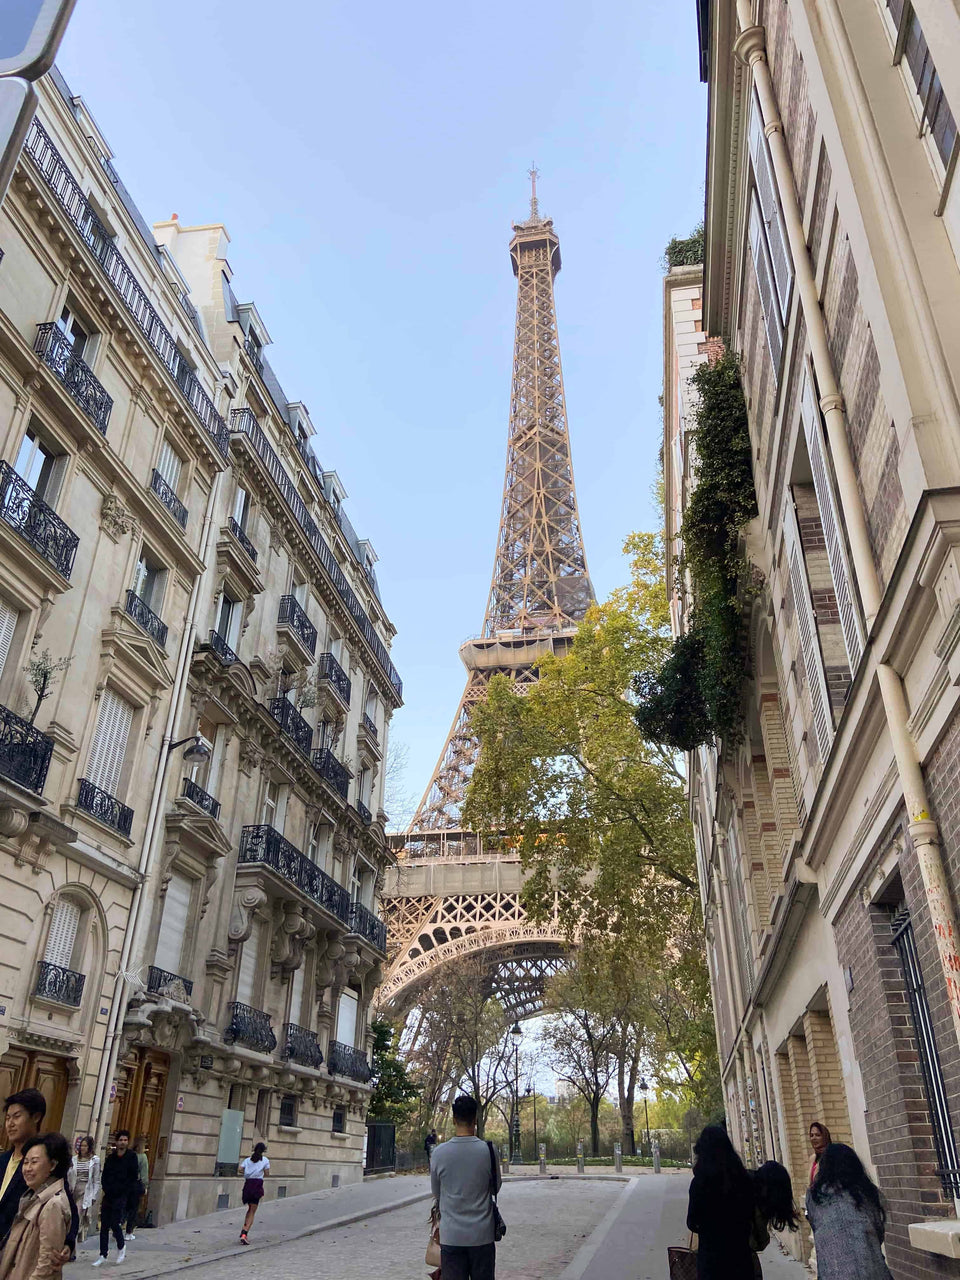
{"x":331,"y":770}
{"x":300,"y":1045}
{"x":347,"y":1061}
{"x":262,"y":844}
{"x":292,"y":615}
{"x":366,"y":817}
{"x":24,"y":751}
{"x":56,"y":351}
{"x":144,"y":617}
{"x":242,"y":538}
{"x":169,"y":499}
{"x":172,"y":985}
{"x":292,"y":723}
{"x":201,"y":798}
{"x":371,"y":727}
{"x":250,"y":1027}
{"x":56,"y":173}
{"x":328,"y":668}
{"x":368,"y":925}
{"x":222,"y":649}
{"x":106,"y":808}
{"x":38,"y":524}
{"x":255,"y":353}
{"x":243,"y":422}
{"x":59,"y":984}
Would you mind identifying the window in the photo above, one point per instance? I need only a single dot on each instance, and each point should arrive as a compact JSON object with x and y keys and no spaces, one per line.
{"x":288,"y":1110}
{"x":363,"y":786}
{"x":300,"y":590}
{"x":261,"y":1120}
{"x":254,"y":347}
{"x":911,"y":48}
{"x":229,"y":618}
{"x":74,"y":333}
{"x":296,"y":996}
{"x":8,"y":624}
{"x":370,"y":708}
{"x":738,"y":907}
{"x":339,"y":1119}
{"x":63,"y":933}
{"x":109,"y":745}
{"x":318,"y":841}
{"x":769,"y":249}
{"x":38,"y":465}
{"x":270,"y":809}
{"x":807,"y":629}
{"x":173,"y":923}
{"x":247,"y":972}
{"x":148,"y":580}
{"x":169,"y":465}
{"x":347,"y":1009}
{"x":241,"y":507}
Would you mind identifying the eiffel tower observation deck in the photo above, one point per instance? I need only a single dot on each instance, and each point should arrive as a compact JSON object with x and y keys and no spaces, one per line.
{"x":449,"y":896}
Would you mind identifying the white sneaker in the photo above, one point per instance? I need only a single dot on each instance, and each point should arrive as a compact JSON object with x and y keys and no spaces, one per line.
{"x":98,"y":1261}
{"x":122,"y":1255}
{"x":130,"y":1236}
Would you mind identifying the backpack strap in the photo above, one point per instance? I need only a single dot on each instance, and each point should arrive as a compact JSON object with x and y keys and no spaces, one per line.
{"x":493,"y":1170}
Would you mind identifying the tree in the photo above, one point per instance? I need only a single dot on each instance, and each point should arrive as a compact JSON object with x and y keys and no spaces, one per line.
{"x":394,"y":1091}
{"x":579,"y":1037}
{"x":398,"y":801}
{"x":42,"y":675}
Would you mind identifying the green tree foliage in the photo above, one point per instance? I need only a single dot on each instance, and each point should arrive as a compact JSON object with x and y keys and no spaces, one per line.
{"x":394,"y":1095}
{"x":685,"y":252}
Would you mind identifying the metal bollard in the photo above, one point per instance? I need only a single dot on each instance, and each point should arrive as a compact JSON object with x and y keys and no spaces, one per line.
{"x":580,"y":1155}
{"x":543,"y":1157}
{"x":504,"y":1161}
{"x":656,"y":1155}
{"x":618,"y":1157}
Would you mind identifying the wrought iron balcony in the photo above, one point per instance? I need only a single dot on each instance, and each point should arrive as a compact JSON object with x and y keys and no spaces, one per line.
{"x":106,"y":808}
{"x":328,"y":668}
{"x":255,"y":353}
{"x":300,"y":1045}
{"x":59,"y":984}
{"x":367,"y":925}
{"x":171,"y":985}
{"x":144,"y":617}
{"x":56,"y":351}
{"x":366,"y":817}
{"x":244,"y":541}
{"x":38,"y":524}
{"x":222,"y":649}
{"x":331,"y":770}
{"x":292,"y":723}
{"x":201,"y":798}
{"x":169,"y":499}
{"x":250,"y":1027}
{"x":292,"y":615}
{"x":24,"y":751}
{"x":344,"y":1060}
{"x":262,"y":844}
{"x":371,"y":727}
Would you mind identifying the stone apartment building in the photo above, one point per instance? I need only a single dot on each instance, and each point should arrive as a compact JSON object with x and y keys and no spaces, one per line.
{"x":828,"y":834}
{"x":191,"y":825}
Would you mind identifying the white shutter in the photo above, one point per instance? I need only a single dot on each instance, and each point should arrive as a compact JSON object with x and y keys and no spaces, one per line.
{"x":770,"y":209}
{"x":173,"y":923}
{"x":347,"y":1019}
{"x":739,"y":889}
{"x":249,"y":961}
{"x":851,"y":625}
{"x":296,"y":996}
{"x":765,"y":285}
{"x":105,"y":762}
{"x":807,"y":629}
{"x":169,"y":465}
{"x":63,"y":933}
{"x":8,"y":624}
{"x":240,"y":506}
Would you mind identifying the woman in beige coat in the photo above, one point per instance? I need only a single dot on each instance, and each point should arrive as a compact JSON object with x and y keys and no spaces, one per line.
{"x":35,"y":1246}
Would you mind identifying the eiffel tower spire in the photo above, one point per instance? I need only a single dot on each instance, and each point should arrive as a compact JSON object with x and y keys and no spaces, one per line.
{"x":540,"y":589}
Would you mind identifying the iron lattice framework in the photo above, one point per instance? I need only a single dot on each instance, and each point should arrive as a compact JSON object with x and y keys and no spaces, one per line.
{"x":540,"y":589}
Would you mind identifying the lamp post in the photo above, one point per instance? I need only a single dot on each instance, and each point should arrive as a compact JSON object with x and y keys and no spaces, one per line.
{"x":646,"y":1114}
{"x":516,"y":1035}
{"x":536,"y":1143}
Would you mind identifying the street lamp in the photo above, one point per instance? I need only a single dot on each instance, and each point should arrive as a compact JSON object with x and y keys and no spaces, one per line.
{"x":193,"y":755}
{"x":646,"y":1114}
{"x":536,"y":1144}
{"x":516,"y":1035}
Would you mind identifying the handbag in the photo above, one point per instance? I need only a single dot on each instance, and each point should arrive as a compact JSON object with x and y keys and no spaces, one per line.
{"x":499,"y":1226}
{"x":432,"y":1256}
{"x":682,"y":1261}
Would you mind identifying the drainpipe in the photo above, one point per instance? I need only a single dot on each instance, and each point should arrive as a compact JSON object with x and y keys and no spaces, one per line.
{"x":137,"y":918}
{"x":750,"y":49}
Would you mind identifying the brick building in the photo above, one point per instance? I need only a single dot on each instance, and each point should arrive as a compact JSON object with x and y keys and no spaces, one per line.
{"x":828,"y":834}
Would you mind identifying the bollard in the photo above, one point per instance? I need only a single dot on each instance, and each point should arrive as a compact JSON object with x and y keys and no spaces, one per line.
{"x":580,"y":1155}
{"x":656,"y":1155}
{"x":543,"y":1157}
{"x":504,"y":1161}
{"x":618,"y":1157}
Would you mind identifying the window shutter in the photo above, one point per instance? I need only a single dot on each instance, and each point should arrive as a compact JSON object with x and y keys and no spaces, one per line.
{"x":851,"y":625}
{"x":173,"y":923}
{"x":347,"y":1019}
{"x":63,"y":933}
{"x":249,"y":962}
{"x":768,"y":301}
{"x":8,"y":624}
{"x":109,"y":745}
{"x":169,"y":465}
{"x":738,"y":888}
{"x":296,"y":996}
{"x":807,"y":628}
{"x":770,"y":210}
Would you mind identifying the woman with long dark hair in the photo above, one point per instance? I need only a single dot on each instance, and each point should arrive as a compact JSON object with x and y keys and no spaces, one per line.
{"x":847,"y":1218}
{"x":254,"y":1169}
{"x":820,"y":1139}
{"x":721,"y":1208}
{"x":774,"y":1197}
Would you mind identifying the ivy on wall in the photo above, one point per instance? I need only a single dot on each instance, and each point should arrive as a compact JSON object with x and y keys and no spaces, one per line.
{"x":685,"y":252}
{"x":695,"y":697}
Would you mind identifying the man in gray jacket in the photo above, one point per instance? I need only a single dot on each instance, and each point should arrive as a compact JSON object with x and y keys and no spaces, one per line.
{"x":464,"y":1178}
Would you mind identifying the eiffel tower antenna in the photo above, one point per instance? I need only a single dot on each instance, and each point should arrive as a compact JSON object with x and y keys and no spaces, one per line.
{"x":540,"y":588}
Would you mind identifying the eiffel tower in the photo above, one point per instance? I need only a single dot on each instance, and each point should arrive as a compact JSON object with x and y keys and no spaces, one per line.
{"x":447,"y":898}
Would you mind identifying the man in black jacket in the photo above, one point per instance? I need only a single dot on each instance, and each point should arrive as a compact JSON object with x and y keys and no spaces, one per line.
{"x":119,"y":1181}
{"x":23,"y":1115}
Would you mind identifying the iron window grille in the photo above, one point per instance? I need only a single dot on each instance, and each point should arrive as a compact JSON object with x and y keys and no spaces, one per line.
{"x":250,"y":1027}
{"x":144,"y":617}
{"x":288,"y":1110}
{"x":328,"y":668}
{"x":59,"y":984}
{"x":222,"y":649}
{"x":56,"y":351}
{"x":371,"y":727}
{"x":263,"y":844}
{"x":292,"y":723}
{"x":169,"y":499}
{"x":255,"y":352}
{"x":292,"y":615}
{"x":201,"y":798}
{"x":38,"y":524}
{"x":300,"y":1045}
{"x":242,"y":538}
{"x":367,"y":925}
{"x":161,"y":982}
{"x":944,"y":1142}
{"x":104,"y":807}
{"x":344,"y":1060}
{"x":24,"y":751}
{"x":339,"y":1119}
{"x":366,"y":817}
{"x":331,"y":770}
{"x":935,"y":113}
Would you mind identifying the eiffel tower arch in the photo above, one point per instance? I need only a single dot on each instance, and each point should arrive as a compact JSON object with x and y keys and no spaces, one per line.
{"x":448,"y":897}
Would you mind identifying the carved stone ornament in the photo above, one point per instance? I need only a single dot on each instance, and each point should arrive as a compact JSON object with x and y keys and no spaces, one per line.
{"x":247,"y":903}
{"x":251,"y":755}
{"x":115,"y":519}
{"x":292,"y":933}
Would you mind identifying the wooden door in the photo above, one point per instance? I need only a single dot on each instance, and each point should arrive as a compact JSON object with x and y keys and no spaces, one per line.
{"x":141,"y":1092}
{"x":26,"y":1069}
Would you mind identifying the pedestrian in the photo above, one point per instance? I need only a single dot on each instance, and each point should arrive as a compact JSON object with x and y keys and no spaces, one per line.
{"x":465,"y":1176}
{"x":847,"y":1218}
{"x":143,"y":1181}
{"x":773,"y":1207}
{"x":23,"y":1114}
{"x":84,"y":1182}
{"x":38,"y":1238}
{"x":119,"y":1180}
{"x":721,"y":1209}
{"x":820,"y":1139}
{"x":254,"y":1169}
{"x":429,"y":1143}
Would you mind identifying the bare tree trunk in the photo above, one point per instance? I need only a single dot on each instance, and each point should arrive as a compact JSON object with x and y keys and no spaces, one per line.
{"x":595,"y":1124}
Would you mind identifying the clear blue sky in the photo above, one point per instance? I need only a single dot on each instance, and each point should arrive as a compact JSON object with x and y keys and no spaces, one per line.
{"x":367,"y":161}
